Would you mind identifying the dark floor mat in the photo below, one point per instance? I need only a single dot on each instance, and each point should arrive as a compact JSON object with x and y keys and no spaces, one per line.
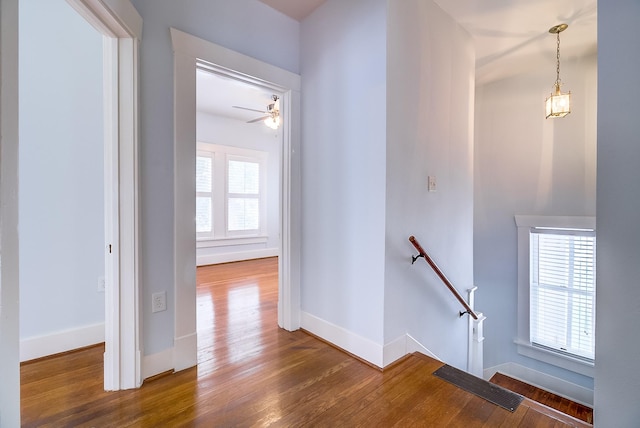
{"x":480,"y":387}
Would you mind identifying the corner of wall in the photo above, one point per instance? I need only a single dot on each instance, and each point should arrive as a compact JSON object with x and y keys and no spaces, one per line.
{"x":365,"y":349}
{"x":350,"y":342}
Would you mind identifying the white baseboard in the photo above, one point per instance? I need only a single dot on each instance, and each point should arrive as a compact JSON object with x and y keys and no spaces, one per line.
{"x":62,"y":341}
{"x":414,"y":346}
{"x":157,"y":363}
{"x":404,"y":345}
{"x":185,"y":351}
{"x":368,"y":350}
{"x":181,"y":356}
{"x":359,"y":346}
{"x":213,"y":259}
{"x":394,"y":350}
{"x":558,"y":386}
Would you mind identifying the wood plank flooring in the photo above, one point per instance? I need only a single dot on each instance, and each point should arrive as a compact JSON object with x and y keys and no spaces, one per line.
{"x":547,"y":398}
{"x":251,"y":373}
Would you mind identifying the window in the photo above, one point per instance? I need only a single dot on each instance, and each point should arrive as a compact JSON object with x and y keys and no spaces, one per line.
{"x":243,"y":195}
{"x":204,"y":193}
{"x":562,"y":293}
{"x":230,"y":192}
{"x":556,"y":291}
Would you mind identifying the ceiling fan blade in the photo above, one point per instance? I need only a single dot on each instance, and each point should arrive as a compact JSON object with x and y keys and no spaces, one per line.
{"x":259,"y":119}
{"x":250,"y":109}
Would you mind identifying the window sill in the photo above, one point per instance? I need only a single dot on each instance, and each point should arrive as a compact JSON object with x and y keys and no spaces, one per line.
{"x":564,"y":361}
{"x":226,"y":242}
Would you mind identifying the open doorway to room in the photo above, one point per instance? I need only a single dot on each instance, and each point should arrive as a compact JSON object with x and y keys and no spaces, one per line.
{"x":192,"y":54}
{"x":62,"y":181}
{"x":78,"y":150}
{"x":237,"y":214}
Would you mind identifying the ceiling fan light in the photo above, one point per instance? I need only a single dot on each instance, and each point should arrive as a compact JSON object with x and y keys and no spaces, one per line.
{"x":272,"y":122}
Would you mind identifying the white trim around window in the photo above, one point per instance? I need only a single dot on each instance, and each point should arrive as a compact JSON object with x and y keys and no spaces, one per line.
{"x":215,"y":185}
{"x":525,"y":223}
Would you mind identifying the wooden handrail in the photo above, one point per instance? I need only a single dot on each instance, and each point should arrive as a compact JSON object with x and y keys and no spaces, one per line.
{"x":444,"y":279}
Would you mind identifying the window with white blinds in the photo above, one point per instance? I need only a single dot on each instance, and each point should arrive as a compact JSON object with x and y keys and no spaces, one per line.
{"x":204,"y":193}
{"x":243,"y":193}
{"x":230,"y":192}
{"x":562,"y":291}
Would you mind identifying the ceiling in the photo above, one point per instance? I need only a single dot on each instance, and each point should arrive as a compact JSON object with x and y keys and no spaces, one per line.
{"x":510,"y":37}
{"x":217,"y":95}
{"x":296,"y":9}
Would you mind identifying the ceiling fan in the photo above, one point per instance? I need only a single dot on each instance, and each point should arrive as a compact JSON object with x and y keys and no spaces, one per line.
{"x":272,"y":114}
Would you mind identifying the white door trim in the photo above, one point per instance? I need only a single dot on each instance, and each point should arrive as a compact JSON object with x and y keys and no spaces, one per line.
{"x":189,"y":53}
{"x":121,"y":26}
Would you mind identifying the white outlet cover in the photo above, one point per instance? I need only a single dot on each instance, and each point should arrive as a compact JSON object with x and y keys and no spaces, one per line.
{"x":159,"y":301}
{"x":432,"y":183}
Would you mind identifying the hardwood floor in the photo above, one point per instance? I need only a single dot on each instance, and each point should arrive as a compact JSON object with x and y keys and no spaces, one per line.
{"x":251,"y":373}
{"x":549,"y":399}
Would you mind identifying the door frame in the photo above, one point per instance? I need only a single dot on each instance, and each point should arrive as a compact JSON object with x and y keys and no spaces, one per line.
{"x":190,"y":53}
{"x":121,"y":26}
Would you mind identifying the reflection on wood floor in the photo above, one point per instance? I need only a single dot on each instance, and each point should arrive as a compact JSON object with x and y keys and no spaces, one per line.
{"x":251,"y":373}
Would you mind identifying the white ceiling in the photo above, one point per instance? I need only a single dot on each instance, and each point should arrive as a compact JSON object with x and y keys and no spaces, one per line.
{"x":510,"y":36}
{"x":217,"y":95}
{"x":296,"y":9}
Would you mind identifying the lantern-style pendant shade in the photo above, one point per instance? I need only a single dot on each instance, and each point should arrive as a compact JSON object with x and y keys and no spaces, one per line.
{"x":558,"y":104}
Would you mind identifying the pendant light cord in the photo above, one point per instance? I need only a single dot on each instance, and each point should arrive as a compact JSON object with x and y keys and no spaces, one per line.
{"x":558,"y":60}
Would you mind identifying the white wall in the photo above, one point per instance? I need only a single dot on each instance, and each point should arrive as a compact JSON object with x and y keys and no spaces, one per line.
{"x":61,"y":172}
{"x":245,"y":26}
{"x":9,"y":287}
{"x":526,"y":164}
{"x":255,"y":136}
{"x":617,"y":384}
{"x":430,"y":68}
{"x":344,"y":106}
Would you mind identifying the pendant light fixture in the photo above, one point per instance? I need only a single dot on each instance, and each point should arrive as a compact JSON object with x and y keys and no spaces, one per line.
{"x":558,"y":104}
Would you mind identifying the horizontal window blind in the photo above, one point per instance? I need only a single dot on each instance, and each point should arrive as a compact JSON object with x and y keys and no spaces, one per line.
{"x":204,"y":195}
{"x":562,"y":294}
{"x":243,"y":195}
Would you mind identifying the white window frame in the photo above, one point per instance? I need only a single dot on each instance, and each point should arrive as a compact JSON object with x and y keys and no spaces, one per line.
{"x":524,"y":224}
{"x":260,"y":196}
{"x":211,"y":194}
{"x":221,"y":235}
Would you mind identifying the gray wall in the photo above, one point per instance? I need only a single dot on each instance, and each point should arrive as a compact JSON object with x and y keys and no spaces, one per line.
{"x":526,"y":164}
{"x":246,"y":26}
{"x":9,"y":303}
{"x":343,"y":66}
{"x":61,"y":170}
{"x":429,"y":133}
{"x":618,"y":312}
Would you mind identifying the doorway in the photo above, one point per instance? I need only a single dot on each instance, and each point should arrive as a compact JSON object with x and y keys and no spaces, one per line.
{"x":237,"y":195}
{"x":61,"y":195}
{"x":191,"y":53}
{"x":121,"y":29}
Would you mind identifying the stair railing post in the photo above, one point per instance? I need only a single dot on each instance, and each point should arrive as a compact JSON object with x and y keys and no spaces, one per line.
{"x":475,"y":362}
